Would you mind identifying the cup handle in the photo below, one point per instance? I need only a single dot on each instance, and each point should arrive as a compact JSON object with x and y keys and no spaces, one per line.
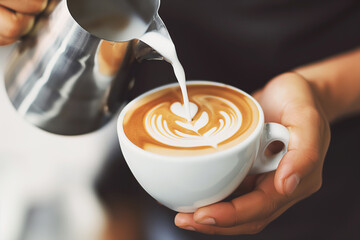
{"x":272,"y":132}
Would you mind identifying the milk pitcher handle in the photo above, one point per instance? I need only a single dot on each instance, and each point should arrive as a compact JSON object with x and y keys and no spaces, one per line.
{"x":272,"y":132}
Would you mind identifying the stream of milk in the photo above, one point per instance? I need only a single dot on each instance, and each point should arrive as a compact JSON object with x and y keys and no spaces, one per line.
{"x":166,"y":48}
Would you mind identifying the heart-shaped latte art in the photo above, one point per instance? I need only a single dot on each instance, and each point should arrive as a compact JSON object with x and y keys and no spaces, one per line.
{"x":180,"y":110}
{"x":225,"y":121}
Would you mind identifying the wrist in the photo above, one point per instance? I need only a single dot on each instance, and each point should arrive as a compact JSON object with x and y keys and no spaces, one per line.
{"x":335,"y":83}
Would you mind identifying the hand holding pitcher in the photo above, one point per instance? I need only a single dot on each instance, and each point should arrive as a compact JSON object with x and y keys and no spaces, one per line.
{"x":17,"y":18}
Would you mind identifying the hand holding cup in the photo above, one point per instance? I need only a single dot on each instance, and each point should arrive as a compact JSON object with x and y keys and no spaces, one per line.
{"x":290,"y":100}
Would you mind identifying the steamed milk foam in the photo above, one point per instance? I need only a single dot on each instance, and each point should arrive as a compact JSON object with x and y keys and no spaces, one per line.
{"x":222,"y":117}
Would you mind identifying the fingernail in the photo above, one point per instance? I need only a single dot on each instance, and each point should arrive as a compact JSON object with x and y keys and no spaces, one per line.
{"x":208,"y":221}
{"x":189,"y":228}
{"x":291,"y":183}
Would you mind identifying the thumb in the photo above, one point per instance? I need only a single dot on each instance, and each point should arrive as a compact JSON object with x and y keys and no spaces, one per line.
{"x":309,"y":139}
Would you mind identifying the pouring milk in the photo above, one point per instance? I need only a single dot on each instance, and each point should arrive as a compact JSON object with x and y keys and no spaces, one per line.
{"x":166,"y":48}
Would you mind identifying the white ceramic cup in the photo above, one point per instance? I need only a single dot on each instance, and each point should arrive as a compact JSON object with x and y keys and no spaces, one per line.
{"x":185,"y":183}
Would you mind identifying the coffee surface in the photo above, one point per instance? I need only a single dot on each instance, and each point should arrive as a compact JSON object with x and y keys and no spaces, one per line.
{"x":221,"y":118}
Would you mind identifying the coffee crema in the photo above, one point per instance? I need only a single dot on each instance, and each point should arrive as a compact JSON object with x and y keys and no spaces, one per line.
{"x":222,"y":117}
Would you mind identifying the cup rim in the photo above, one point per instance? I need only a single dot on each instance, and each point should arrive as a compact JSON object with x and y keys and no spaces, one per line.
{"x":124,"y":139}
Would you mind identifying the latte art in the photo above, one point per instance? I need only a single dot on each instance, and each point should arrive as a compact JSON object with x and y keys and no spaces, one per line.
{"x":221,"y":117}
{"x":199,"y":132}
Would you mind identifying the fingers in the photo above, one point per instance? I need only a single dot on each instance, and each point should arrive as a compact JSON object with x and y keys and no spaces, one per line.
{"x":246,"y":186}
{"x":302,"y":157}
{"x":186,"y":221}
{"x":309,"y":140}
{"x":295,"y":107}
{"x":297,"y":176}
{"x":257,"y":205}
{"x":25,"y":6}
{"x":17,"y":18}
{"x":14,"y":25}
{"x":245,"y":220}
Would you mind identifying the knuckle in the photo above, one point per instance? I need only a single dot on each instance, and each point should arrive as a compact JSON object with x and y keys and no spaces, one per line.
{"x":237,"y":213}
{"x":13,"y":29}
{"x":271,"y":208}
{"x":18,"y":25}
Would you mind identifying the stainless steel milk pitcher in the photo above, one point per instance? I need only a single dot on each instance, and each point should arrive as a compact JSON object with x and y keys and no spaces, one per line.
{"x":71,"y":74}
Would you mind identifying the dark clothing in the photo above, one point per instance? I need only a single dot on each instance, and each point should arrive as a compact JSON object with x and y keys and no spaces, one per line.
{"x":247,"y":42}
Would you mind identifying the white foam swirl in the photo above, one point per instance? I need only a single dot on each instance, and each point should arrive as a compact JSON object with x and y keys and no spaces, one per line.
{"x":229,"y":123}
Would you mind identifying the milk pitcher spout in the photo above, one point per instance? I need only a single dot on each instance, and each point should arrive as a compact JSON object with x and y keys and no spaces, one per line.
{"x":121,"y":21}
{"x":71,"y":74}
{"x":142,"y":50}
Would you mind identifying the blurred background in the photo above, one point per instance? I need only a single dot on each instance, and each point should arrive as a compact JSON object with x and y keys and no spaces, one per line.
{"x":84,"y":190}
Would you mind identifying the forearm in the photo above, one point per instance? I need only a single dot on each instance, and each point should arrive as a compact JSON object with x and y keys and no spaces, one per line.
{"x":336,"y":81}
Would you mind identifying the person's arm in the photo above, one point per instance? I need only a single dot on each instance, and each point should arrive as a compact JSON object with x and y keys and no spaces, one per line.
{"x":336,"y":82}
{"x":304,"y":101}
{"x":17,"y":18}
